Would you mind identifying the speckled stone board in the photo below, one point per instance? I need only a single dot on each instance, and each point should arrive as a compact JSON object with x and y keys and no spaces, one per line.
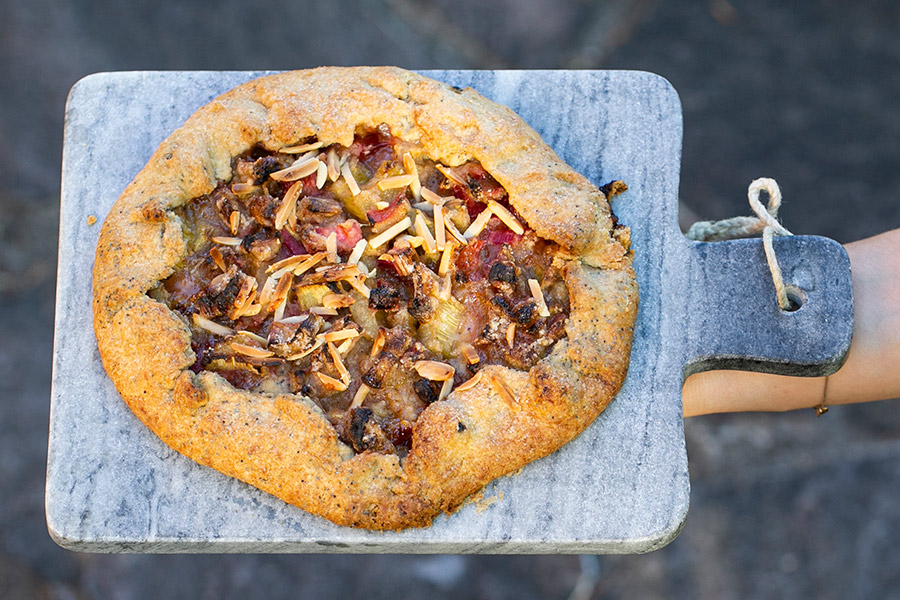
{"x":622,"y":486}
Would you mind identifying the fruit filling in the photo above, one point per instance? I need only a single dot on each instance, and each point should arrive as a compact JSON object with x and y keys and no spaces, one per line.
{"x":370,"y":279}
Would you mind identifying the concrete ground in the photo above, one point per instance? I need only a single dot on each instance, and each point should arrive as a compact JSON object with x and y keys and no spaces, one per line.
{"x":782,"y":505}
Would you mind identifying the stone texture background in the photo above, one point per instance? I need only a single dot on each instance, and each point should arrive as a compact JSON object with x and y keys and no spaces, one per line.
{"x":782,"y":505}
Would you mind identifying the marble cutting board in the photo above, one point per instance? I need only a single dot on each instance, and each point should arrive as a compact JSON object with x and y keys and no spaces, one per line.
{"x":622,"y":486}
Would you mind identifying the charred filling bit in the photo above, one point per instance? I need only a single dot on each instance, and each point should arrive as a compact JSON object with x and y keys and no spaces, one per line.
{"x":368,"y":278}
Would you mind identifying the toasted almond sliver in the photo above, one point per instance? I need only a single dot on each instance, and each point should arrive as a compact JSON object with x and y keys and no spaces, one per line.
{"x":252,"y":310}
{"x":296,"y":320}
{"x":251,"y":351}
{"x":397,"y":181}
{"x":337,"y":300}
{"x":278,"y":314}
{"x":469,"y":383}
{"x":478,"y":224}
{"x":538,"y":295}
{"x":432,"y":198}
{"x":454,"y":232}
{"x":253,"y":336}
{"x":226,"y":241}
{"x":349,"y":179}
{"x":280,"y":294}
{"x":434,"y":370}
{"x":234,"y":221}
{"x":440,"y":235}
{"x":345,"y":346}
{"x":425,"y":207}
{"x":309,"y":263}
{"x":381,"y":205}
{"x":321,"y":310}
{"x":507,"y":217}
{"x":339,"y":363}
{"x":302,"y":167}
{"x":318,"y":344}
{"x":331,"y":382}
{"x":511,"y":334}
{"x":359,"y":286}
{"x":469,"y":353}
{"x":449,"y":174}
{"x":446,"y":287}
{"x":331,"y":162}
{"x":357,"y":252}
{"x":378,"y":343}
{"x":265,"y":294}
{"x":444,"y":266}
{"x":216,"y":255}
{"x":360,"y":396}
{"x":502,"y":390}
{"x":300,"y":149}
{"x":446,"y":388}
{"x":290,"y":261}
{"x":416,"y":241}
{"x":242,"y":188}
{"x":321,"y":174}
{"x":331,"y":247}
{"x":211,"y":326}
{"x":422,"y":230}
{"x":340,"y":334}
{"x":410,"y":165}
{"x":390,"y":233}
{"x":288,"y":204}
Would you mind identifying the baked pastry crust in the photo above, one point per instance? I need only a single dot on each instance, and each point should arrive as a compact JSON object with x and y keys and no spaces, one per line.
{"x":283,"y":444}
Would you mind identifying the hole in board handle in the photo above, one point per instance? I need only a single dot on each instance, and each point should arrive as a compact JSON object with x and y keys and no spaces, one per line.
{"x":796,"y":298}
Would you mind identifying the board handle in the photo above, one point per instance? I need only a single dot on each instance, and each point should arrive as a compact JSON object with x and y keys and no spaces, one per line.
{"x":734,"y":321}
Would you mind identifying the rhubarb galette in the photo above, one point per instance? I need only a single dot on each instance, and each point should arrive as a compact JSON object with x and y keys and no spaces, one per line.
{"x":363,"y":291}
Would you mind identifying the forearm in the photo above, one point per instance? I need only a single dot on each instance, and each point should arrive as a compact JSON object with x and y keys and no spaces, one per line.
{"x":872,"y":370}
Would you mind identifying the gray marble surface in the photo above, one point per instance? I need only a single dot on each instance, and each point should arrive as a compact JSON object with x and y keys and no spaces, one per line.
{"x":622,"y":486}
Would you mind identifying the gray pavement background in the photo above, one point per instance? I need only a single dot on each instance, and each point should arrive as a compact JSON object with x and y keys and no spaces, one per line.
{"x":782,"y":505}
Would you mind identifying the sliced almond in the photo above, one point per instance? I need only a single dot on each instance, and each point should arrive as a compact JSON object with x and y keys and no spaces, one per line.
{"x":294,"y":320}
{"x":226,"y":241}
{"x":211,"y":326}
{"x":331,"y":247}
{"x":409,"y":164}
{"x":243,"y":188}
{"x":331,"y":383}
{"x":469,"y":383}
{"x":321,"y":310}
{"x":321,"y":174}
{"x":449,"y":174}
{"x":397,"y":181}
{"x":357,"y":252}
{"x":432,"y":198}
{"x":309,"y":263}
{"x":318,"y":344}
{"x":360,"y":396}
{"x":301,"y":148}
{"x":302,"y":167}
{"x":390,"y":233}
{"x":477,"y":225}
{"x":340,"y":334}
{"x":288,"y":204}
{"x":339,"y":363}
{"x":454,"y":232}
{"x":287,"y":263}
{"x":265,"y":294}
{"x":538,"y":295}
{"x":502,"y":390}
{"x":216,"y":255}
{"x":345,"y":346}
{"x":349,"y":179}
{"x":252,"y":310}
{"x":234,"y":221}
{"x":359,"y":285}
{"x":434,"y":370}
{"x":446,"y":257}
{"x":446,"y":388}
{"x":280,"y":293}
{"x":507,"y":217}
{"x":510,"y":334}
{"x":253,"y":336}
{"x":251,"y":351}
{"x":378,"y":343}
{"x":469,"y":353}
{"x":422,"y":231}
{"x":381,"y":205}
{"x":425,"y":207}
{"x":440,"y":234}
{"x":337,"y":300}
{"x":331,"y":162}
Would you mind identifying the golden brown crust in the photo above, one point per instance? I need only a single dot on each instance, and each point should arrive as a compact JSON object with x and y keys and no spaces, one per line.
{"x":284,"y":445}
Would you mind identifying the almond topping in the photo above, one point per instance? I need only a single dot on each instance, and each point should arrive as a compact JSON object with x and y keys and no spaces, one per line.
{"x":469,"y":353}
{"x":410,"y":165}
{"x":310,"y":262}
{"x":360,"y":396}
{"x":357,"y":252}
{"x":253,"y":336}
{"x":425,"y":207}
{"x":449,"y":174}
{"x":321,"y":174}
{"x":339,"y":363}
{"x":288,"y":205}
{"x":345,"y":346}
{"x":294,"y":320}
{"x":478,"y":224}
{"x":301,"y":148}
{"x":415,"y":241}
{"x":301,"y":168}
{"x":226,"y":241}
{"x":331,"y":162}
{"x":502,"y":390}
{"x":340,"y":334}
{"x":348,"y":177}
{"x":234,"y":221}
{"x":446,"y":388}
{"x":511,"y":334}
{"x":216,"y":255}
{"x":422,"y":231}
{"x":469,"y":383}
{"x":242,"y":188}
{"x":538,"y":295}
{"x":211,"y":326}
{"x":434,"y":370}
{"x":397,"y":181}
{"x":319,"y":343}
{"x":390,"y":233}
{"x":331,"y":383}
{"x":359,"y":286}
{"x":265,"y":294}
{"x":286,"y":264}
{"x":381,"y":205}
{"x":444,"y":266}
{"x":331,"y":247}
{"x":252,"y":310}
{"x":454,"y":232}
{"x":251,"y":351}
{"x":432,"y":198}
{"x":337,"y":300}
{"x":440,"y":235}
{"x":378,"y":343}
{"x":280,"y":294}
{"x":504,"y":215}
